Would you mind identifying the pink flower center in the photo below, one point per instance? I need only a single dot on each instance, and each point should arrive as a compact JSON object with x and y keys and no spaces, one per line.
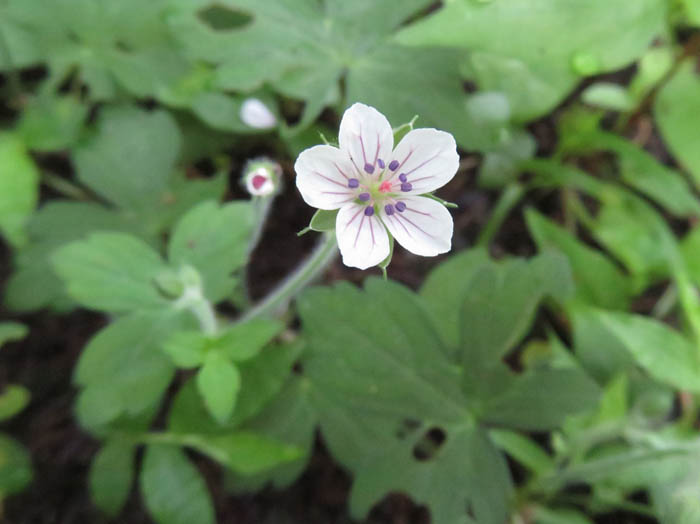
{"x":385,"y":187}
{"x":258,"y":181}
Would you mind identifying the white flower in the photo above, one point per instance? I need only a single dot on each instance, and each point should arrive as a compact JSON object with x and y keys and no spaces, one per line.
{"x":256,"y":114}
{"x":378,"y":189}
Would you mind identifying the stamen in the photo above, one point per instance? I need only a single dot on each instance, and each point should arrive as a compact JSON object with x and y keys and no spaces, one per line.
{"x":400,"y":206}
{"x":393,"y":165}
{"x":403,"y":177}
{"x":353,"y":183}
{"x":363,"y":196}
{"x":381,"y":163}
{"x":369,"y":168}
{"x":369,"y":211}
{"x":389,"y":209}
{"x":406,"y":186}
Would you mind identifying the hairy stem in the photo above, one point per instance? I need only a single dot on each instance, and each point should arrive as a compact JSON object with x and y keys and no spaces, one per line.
{"x":322,"y":256}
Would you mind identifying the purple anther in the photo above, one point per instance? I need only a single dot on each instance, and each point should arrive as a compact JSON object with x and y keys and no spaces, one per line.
{"x":381,"y":163}
{"x":406,"y":186}
{"x":363,"y":196}
{"x":403,"y":177}
{"x":369,"y":211}
{"x":394,"y":165}
{"x":353,"y":183}
{"x":400,"y":206}
{"x":369,"y":168}
{"x":389,"y":209}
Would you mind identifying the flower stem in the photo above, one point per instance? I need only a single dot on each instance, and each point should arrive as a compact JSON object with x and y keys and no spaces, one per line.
{"x":204,"y":311}
{"x":323,"y":255}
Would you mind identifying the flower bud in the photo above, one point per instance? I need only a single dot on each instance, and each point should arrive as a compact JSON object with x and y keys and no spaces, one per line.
{"x":256,"y":114}
{"x":262,"y":177}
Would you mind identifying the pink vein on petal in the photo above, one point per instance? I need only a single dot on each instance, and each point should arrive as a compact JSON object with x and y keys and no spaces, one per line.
{"x":401,"y":224}
{"x":376,"y":156}
{"x":341,"y":171}
{"x":359,"y":230}
{"x":371,"y":229}
{"x":417,"y":227}
{"x":329,"y":179}
{"x":422,"y":164}
{"x":352,"y":219}
{"x":362,"y":143}
{"x":419,"y":212}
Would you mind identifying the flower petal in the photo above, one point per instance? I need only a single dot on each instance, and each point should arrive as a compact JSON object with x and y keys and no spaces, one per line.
{"x":424,"y":227}
{"x":365,"y":134}
{"x":428,"y":158}
{"x":362,"y":239}
{"x":323,"y":173}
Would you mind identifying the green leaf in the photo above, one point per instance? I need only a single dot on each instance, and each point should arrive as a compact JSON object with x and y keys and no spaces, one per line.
{"x":636,"y":234}
{"x":13,"y":400}
{"x":501,"y":165}
{"x":111,"y":476}
{"x":523,"y":449}
{"x":518,"y":49}
{"x":218,"y":382}
{"x":122,"y":369}
{"x":51,"y":123}
{"x":542,"y":399}
{"x":663,"y":352}
{"x":11,"y":332}
{"x":262,"y":377}
{"x":608,"y":96}
{"x":186,"y":348}
{"x":676,"y":501}
{"x":214,"y":240}
{"x":398,"y":361}
{"x":676,"y":108}
{"x":15,"y":466}
{"x":600,"y":353}
{"x":173,"y":489}
{"x":130,"y":159}
{"x":499,"y":307}
{"x":651,"y":69}
{"x":598,"y":280}
{"x":244,"y":340}
{"x":641,"y":171}
{"x":34,"y":284}
{"x":379,"y":404}
{"x":421,"y":72}
{"x":112,"y":272}
{"x":245,"y":452}
{"x":19,"y":188}
{"x":291,"y":418}
{"x":560,"y":516}
{"x":308,"y":47}
{"x":692,"y":11}
{"x":445,"y":288}
{"x":323,"y":220}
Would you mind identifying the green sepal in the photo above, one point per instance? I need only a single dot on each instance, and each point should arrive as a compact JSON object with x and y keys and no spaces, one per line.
{"x":441,"y":201}
{"x":403,"y":129}
{"x":323,"y":220}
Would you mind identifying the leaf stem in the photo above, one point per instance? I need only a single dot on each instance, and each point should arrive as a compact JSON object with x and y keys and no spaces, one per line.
{"x":510,"y":196}
{"x":322,"y":256}
{"x":64,"y":187}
